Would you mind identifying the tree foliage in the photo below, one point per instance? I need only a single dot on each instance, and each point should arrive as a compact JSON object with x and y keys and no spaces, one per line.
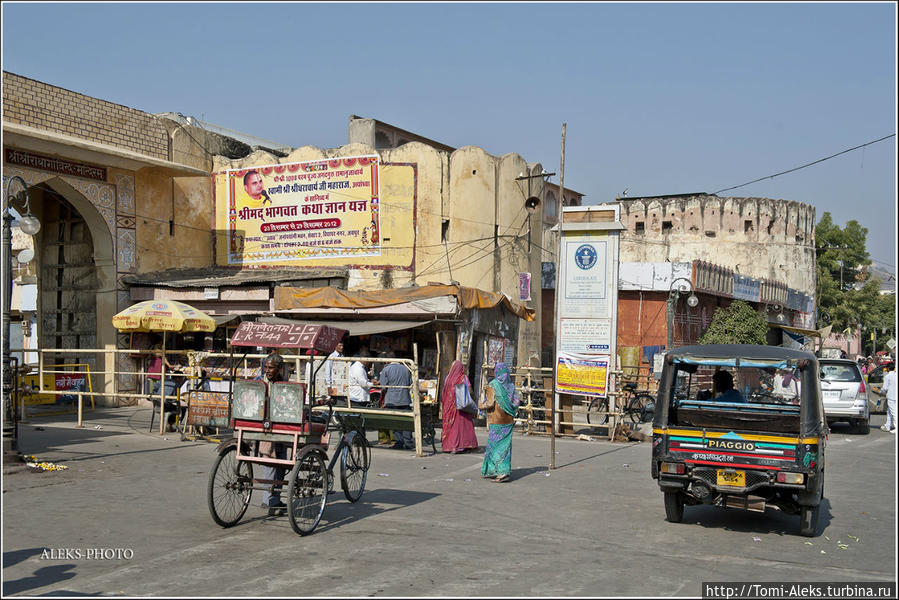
{"x":737,"y":323}
{"x":847,"y":296}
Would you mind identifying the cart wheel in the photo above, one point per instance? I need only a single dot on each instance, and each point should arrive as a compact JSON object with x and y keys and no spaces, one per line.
{"x":641,"y":408}
{"x":355,"y":459}
{"x":674,"y":507}
{"x":308,"y":490}
{"x":601,"y":405}
{"x":230,"y":487}
{"x":808,"y":520}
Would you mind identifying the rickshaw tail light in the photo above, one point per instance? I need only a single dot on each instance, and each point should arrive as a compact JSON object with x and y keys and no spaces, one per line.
{"x":673,"y":468}
{"x":784,"y":477}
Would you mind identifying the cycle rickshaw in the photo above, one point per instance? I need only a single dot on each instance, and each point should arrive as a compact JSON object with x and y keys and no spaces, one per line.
{"x":282,"y":412}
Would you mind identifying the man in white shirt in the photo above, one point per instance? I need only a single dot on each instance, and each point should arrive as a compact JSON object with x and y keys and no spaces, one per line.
{"x":357,"y":380}
{"x":329,"y":366}
{"x":889,"y":390}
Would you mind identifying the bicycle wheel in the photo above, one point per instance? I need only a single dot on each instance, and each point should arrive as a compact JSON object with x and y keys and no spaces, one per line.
{"x":602,"y":406}
{"x":230,"y":487}
{"x":355,"y":459}
{"x":641,"y":408}
{"x":308,"y":490}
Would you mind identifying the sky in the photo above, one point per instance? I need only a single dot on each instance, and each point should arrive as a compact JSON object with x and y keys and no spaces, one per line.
{"x":657,"y":98}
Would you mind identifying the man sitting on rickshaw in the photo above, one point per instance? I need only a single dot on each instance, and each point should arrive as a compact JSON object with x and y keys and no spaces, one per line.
{"x":273,"y":371}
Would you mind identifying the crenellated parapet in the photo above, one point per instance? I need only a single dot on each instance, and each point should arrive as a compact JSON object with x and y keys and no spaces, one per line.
{"x":758,"y":237}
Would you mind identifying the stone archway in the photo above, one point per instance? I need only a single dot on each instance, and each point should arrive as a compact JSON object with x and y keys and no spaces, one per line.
{"x":81,"y":311}
{"x":77,"y":293}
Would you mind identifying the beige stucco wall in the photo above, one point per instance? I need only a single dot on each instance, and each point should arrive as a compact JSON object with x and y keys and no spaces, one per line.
{"x":758,"y":237}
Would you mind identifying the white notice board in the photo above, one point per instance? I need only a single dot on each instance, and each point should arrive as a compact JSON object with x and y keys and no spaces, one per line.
{"x":587,"y":299}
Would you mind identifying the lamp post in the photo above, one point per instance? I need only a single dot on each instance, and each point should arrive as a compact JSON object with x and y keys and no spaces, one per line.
{"x":30,"y":226}
{"x":679,"y":286}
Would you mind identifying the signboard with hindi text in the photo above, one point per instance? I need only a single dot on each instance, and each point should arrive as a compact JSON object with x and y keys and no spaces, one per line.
{"x":319,"y":212}
{"x":208,"y":408}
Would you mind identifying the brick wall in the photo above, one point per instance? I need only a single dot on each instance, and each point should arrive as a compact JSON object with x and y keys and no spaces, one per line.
{"x":43,"y":106}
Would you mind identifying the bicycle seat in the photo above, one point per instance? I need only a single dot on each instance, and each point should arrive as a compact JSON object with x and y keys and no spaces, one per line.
{"x":631,"y":386}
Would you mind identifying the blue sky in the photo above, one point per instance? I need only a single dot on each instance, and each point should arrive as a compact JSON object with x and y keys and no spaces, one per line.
{"x":658,"y":98}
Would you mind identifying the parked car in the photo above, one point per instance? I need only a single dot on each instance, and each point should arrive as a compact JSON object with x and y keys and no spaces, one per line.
{"x":877,"y":403}
{"x":844,"y":393}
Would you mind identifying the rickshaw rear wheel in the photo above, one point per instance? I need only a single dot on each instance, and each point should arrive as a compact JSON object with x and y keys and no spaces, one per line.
{"x":355,"y":459}
{"x":808,"y":520}
{"x":307,"y":492}
{"x":674,"y":507}
{"x":230,"y":487}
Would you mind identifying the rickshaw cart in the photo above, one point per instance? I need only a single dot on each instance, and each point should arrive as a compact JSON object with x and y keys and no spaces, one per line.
{"x":281,"y":412}
{"x":752,"y":449}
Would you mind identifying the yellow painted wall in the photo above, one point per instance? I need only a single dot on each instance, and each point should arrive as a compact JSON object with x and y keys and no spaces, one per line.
{"x":159,"y":199}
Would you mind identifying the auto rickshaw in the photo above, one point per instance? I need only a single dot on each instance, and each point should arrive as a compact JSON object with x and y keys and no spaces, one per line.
{"x":740,"y":426}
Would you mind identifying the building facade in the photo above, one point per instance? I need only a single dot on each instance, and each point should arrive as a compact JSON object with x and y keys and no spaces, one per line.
{"x":760,"y":238}
{"x":127,"y":203}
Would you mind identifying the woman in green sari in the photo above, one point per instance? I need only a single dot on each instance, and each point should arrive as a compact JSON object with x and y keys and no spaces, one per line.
{"x":501,"y":404}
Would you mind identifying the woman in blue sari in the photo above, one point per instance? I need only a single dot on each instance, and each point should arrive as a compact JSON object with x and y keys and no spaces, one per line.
{"x":501,"y":404}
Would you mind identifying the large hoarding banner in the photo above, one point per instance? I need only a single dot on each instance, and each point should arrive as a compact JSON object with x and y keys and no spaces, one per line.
{"x":583,"y":375}
{"x":294,"y":212}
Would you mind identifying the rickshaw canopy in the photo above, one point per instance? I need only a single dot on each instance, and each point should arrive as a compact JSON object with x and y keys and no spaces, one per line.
{"x":316,"y":339}
{"x":811,"y":413}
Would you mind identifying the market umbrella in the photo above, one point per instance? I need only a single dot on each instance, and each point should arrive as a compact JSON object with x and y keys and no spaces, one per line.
{"x":162,"y":315}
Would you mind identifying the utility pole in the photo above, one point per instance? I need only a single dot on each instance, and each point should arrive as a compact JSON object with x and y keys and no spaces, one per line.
{"x":552,"y":421}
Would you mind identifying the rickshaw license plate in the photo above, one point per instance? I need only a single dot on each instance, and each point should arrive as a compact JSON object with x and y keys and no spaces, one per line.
{"x":730,"y":477}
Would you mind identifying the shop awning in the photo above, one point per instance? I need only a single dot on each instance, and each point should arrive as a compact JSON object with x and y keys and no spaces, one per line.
{"x":289,"y":298}
{"x":353,"y":328}
{"x":224,"y":319}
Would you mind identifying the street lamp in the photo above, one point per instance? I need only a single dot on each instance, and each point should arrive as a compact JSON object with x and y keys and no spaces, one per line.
{"x":30,"y":226}
{"x":779,"y":309}
{"x":679,"y":286}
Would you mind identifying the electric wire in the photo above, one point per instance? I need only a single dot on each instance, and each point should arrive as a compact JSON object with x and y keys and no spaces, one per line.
{"x":820,"y":160}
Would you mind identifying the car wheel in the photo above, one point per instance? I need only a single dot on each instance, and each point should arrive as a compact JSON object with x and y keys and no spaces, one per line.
{"x":861,"y":426}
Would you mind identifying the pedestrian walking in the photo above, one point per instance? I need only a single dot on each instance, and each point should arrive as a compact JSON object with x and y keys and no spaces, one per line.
{"x":889,"y":390}
{"x":501,"y":404}
{"x":458,"y":434}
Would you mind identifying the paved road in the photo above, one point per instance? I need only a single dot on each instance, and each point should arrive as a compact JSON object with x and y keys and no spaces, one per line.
{"x":424,"y":526}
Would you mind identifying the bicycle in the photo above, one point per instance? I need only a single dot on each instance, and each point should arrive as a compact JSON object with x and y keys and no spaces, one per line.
{"x":231,"y":481}
{"x":639,"y":406}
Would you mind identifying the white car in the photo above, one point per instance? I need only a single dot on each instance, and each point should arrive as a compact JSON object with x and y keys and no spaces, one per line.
{"x":843,"y":393}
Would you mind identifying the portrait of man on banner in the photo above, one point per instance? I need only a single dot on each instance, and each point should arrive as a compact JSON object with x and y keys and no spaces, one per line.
{"x":288,"y":213}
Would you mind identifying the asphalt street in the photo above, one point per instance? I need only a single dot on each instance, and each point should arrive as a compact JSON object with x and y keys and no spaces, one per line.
{"x":129,"y":517}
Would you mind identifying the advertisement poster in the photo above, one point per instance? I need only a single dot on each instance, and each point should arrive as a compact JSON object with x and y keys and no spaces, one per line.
{"x":307,"y":210}
{"x":586,"y":292}
{"x":585,"y":336}
{"x":209,"y":408}
{"x":585,"y":375}
{"x":524,"y":287}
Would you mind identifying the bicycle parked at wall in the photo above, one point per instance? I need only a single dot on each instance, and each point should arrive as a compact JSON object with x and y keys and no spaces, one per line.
{"x":639,"y":406}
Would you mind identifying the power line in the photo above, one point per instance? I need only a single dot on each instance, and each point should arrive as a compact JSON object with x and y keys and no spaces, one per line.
{"x":886,"y":137}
